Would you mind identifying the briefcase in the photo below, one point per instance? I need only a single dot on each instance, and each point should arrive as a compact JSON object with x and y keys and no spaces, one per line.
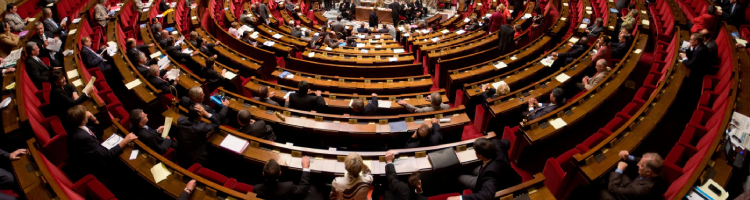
{"x":444,"y":159}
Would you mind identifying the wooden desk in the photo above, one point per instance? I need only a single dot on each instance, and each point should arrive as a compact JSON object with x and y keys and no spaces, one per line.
{"x":12,"y":118}
{"x":145,"y":91}
{"x":33,"y":176}
{"x":362,"y":13}
{"x":356,"y":84}
{"x":380,"y":71}
{"x":187,"y":78}
{"x":534,"y":189}
{"x":341,"y":58}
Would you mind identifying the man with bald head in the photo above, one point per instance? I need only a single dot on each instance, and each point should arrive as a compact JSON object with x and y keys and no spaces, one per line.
{"x":648,"y":184}
{"x":132,"y":49}
{"x":602,"y":71}
{"x":162,"y":39}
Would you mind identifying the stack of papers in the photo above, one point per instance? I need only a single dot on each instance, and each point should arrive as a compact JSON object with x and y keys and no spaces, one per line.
{"x":562,"y":77}
{"x":467,"y":20}
{"x":466,"y":156}
{"x":173,"y":74}
{"x":360,"y":45}
{"x":132,"y":84}
{"x":77,"y":83}
{"x":163,"y":61}
{"x":500,"y":65}
{"x":76,"y":20}
{"x":526,"y":16}
{"x":160,"y":172}
{"x":112,"y":141}
{"x":573,"y":40}
{"x":187,"y":50}
{"x":230,"y":75}
{"x":423,"y":163}
{"x":233,"y":143}
{"x":645,"y":22}
{"x":54,"y":45}
{"x":557,"y":123}
{"x":72,"y":74}
{"x":425,"y":31}
{"x":112,"y":48}
{"x":547,"y":61}
{"x":384,"y":104}
{"x":269,"y":43}
{"x":393,"y":59}
{"x":435,"y":39}
{"x":328,"y":49}
{"x":154,"y":55}
{"x":277,"y":36}
{"x":459,"y":32}
{"x":398,"y":50}
{"x":405,"y":165}
{"x":582,"y":26}
{"x":311,"y":54}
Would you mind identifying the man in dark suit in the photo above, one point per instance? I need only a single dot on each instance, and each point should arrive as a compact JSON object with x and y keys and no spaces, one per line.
{"x":193,"y":133}
{"x":420,"y":10}
{"x":254,"y":128}
{"x":163,"y":6}
{"x":176,"y":53}
{"x":132,"y":49}
{"x":303,"y":101}
{"x":207,"y":48}
{"x":7,"y":181}
{"x":338,"y":26}
{"x":162,"y":38}
{"x":271,"y":188}
{"x":697,"y":57}
{"x":576,"y":50}
{"x":371,"y":109}
{"x":37,"y":70}
{"x":152,"y":138}
{"x":733,"y":12}
{"x":161,"y":82}
{"x":620,"y":48}
{"x":395,"y":12}
{"x":398,"y":189}
{"x":140,"y":64}
{"x":155,"y":25}
{"x":53,"y":28}
{"x":596,"y":29}
{"x":296,"y":32}
{"x":556,"y":98}
{"x":85,"y":151}
{"x":63,"y":95}
{"x":426,"y":136}
{"x":195,"y":96}
{"x":41,"y":41}
{"x":713,"y":48}
{"x":383,"y":29}
{"x":346,"y":9}
{"x":506,"y":44}
{"x":648,"y":184}
{"x":93,"y":58}
{"x":494,"y":174}
{"x":621,"y":4}
{"x":373,"y":20}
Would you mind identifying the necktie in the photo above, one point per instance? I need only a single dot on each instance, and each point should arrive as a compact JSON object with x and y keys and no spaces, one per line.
{"x":53,"y":22}
{"x":97,"y":55}
{"x":90,"y":133}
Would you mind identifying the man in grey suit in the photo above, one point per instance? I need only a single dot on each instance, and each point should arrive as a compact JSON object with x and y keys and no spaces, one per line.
{"x":602,"y":71}
{"x":597,"y":28}
{"x":51,"y":27}
{"x":648,"y":184}
{"x":436,"y":103}
{"x":14,"y":20}
{"x":263,"y":12}
{"x":338,"y":26}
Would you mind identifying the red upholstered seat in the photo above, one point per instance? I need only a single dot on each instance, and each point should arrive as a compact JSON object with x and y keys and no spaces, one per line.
{"x":443,"y":196}
{"x":513,"y":135}
{"x":208,"y":174}
{"x":557,"y":180}
{"x":590,"y":142}
{"x":238,"y":186}
{"x":566,"y":159}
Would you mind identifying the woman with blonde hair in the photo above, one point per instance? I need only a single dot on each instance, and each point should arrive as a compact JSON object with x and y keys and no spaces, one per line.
{"x":356,"y":181}
{"x":501,"y":89}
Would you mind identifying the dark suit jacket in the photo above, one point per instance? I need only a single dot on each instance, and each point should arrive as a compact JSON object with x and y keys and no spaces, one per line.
{"x":160,"y":84}
{"x":621,"y":187}
{"x":620,"y":4}
{"x":363,"y":30}
{"x":283,"y":190}
{"x":436,"y":139}
{"x":176,"y":53}
{"x":371,"y":109}
{"x":489,"y":93}
{"x":163,"y":6}
{"x":713,"y":50}
{"x":506,"y":44}
{"x":619,"y":49}
{"x":263,"y":12}
{"x":61,"y":99}
{"x":575,"y":52}
{"x":38,"y":71}
{"x":207,"y":49}
{"x":395,"y":11}
{"x":152,"y":139}
{"x":296,"y":33}
{"x":400,"y":190}
{"x":735,"y":16}
{"x":496,"y":175}
{"x":184,"y":196}
{"x":86,"y":154}
{"x":698,"y":59}
{"x":50,"y":28}
{"x":594,"y":31}
{"x":162,"y":41}
{"x":185,"y":102}
{"x":132,"y":53}
{"x":210,"y":75}
{"x":541,"y":111}
{"x":142,"y":69}
{"x":258,"y":129}
{"x":373,"y":20}
{"x":92,"y":59}
{"x":43,"y":52}
{"x":306,"y":102}
{"x":192,"y":136}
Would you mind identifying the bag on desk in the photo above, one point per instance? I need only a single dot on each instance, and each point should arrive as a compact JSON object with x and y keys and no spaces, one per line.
{"x":444,"y":159}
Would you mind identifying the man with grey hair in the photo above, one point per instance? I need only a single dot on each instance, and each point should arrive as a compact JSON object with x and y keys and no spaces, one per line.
{"x":42,"y":40}
{"x":37,"y":70}
{"x":602,"y":71}
{"x":101,"y":13}
{"x":648,"y":184}
{"x":140,"y":64}
{"x":196,"y":96}
{"x":51,"y":27}
{"x":436,"y":104}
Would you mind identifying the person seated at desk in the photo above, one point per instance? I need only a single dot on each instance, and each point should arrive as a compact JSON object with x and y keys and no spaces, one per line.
{"x":604,"y":51}
{"x":436,"y":104}
{"x":518,"y":31}
{"x":426,"y":136}
{"x":161,"y":82}
{"x":576,"y":50}
{"x":620,"y":48}
{"x":7,"y":181}
{"x":175,"y":51}
{"x":398,"y":189}
{"x":355,"y":184}
{"x":265,"y":96}
{"x":7,"y":70}
{"x":15,"y":22}
{"x":132,"y":49}
{"x":383,"y":29}
{"x":254,"y":128}
{"x":713,"y":48}
{"x":290,"y":6}
{"x":155,"y":25}
{"x":648,"y":184}
{"x":233,"y":30}
{"x":301,"y":100}
{"x":697,"y":58}
{"x":141,"y":64}
{"x":371,"y":109}
{"x":162,"y":38}
{"x":53,"y":28}
{"x":64,"y":95}
{"x":537,"y":110}
{"x":101,"y":13}
{"x":350,"y":42}
{"x":193,"y":38}
{"x":473,"y":24}
{"x":602,"y":71}
{"x":196,"y":96}
{"x":296,"y":32}
{"x":271,"y":188}
{"x":207,"y":48}
{"x":93,"y":58}
{"x":42,"y":41}
{"x":246,"y":37}
{"x":193,"y":134}
{"x":85,"y":151}
{"x":331,"y":41}
{"x":213,"y":78}
{"x":8,"y":40}
{"x":306,"y":35}
{"x":152,"y":138}
{"x":595,"y":29}
{"x":37,"y":70}
{"x":363,"y":29}
{"x":538,"y":18}
{"x":495,"y":172}
{"x":501,"y":90}
{"x":247,"y":18}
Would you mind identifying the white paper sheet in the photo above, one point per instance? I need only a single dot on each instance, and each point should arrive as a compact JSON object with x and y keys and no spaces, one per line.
{"x":562,"y":77}
{"x":233,"y":143}
{"x":500,"y":65}
{"x":167,"y":125}
{"x":466,"y":156}
{"x":112,"y":141}
{"x":384,"y":104}
{"x":134,"y":154}
{"x":133,"y":84}
{"x":160,"y":172}
{"x":230,"y":75}
{"x":558,"y":123}
{"x":72,"y":74}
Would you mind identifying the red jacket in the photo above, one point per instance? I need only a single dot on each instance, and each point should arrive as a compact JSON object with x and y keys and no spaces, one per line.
{"x":497,"y":19}
{"x":705,"y":21}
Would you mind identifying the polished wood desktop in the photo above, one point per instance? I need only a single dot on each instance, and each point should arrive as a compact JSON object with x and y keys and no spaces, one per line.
{"x":393,"y":85}
{"x":362,"y":13}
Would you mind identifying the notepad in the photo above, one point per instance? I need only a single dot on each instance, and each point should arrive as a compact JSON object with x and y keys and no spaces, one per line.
{"x":393,"y":59}
{"x":582,"y":26}
{"x":233,"y":143}
{"x":269,"y":43}
{"x":154,"y":55}
{"x":72,"y":74}
{"x":277,"y":36}
{"x":557,"y":123}
{"x":132,"y":84}
{"x":459,"y":32}
{"x":90,"y":83}
{"x":637,"y":51}
{"x":112,"y":141}
{"x":500,"y":65}
{"x":423,"y":163}
{"x":562,"y":77}
{"x":167,"y":126}
{"x":360,"y":45}
{"x":573,"y":40}
{"x":133,"y":154}
{"x":160,"y":172}
{"x":645,"y":22}
{"x":466,"y":156}
{"x":230,"y":75}
{"x":384,"y":104}
{"x":547,"y":62}
{"x":78,"y":83}
{"x":398,"y":50}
